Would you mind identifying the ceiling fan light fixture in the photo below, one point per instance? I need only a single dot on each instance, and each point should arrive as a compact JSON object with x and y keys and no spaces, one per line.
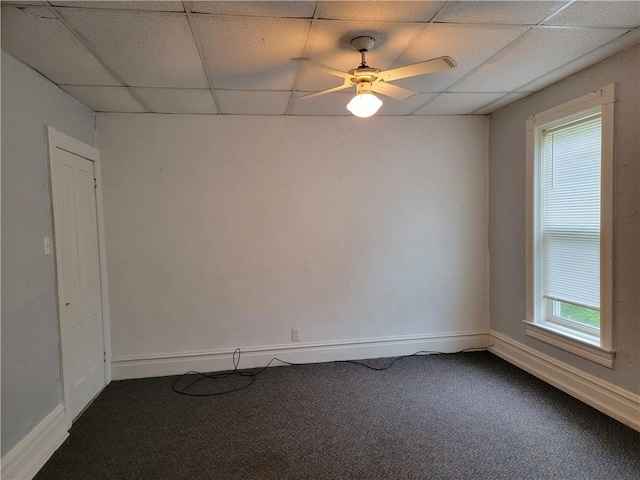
{"x":365,"y":103}
{"x":368,"y":79}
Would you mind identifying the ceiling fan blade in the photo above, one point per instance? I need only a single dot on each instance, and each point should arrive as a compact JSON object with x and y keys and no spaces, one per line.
{"x":420,"y":68}
{"x":323,"y":92}
{"x":392,"y":91}
{"x":322,"y":66}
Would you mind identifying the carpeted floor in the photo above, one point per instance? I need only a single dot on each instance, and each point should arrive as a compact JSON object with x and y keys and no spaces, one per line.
{"x":462,"y":416}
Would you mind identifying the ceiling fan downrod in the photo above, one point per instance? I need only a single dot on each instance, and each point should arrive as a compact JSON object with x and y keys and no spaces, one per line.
{"x":363,"y":45}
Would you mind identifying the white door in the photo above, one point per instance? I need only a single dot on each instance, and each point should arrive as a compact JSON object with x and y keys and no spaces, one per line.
{"x":79,"y":290}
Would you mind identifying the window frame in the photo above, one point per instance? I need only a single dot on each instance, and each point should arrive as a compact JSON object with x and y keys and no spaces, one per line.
{"x":579,"y":341}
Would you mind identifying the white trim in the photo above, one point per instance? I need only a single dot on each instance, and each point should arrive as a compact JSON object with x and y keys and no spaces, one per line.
{"x":606,"y":220}
{"x":603,"y":96}
{"x":570,"y":343}
{"x":610,"y":399}
{"x":30,"y":454}
{"x":102,"y":252}
{"x":71,"y":145}
{"x":602,"y":99}
{"x":531,"y":221}
{"x":58,"y":140}
{"x":175,"y":363}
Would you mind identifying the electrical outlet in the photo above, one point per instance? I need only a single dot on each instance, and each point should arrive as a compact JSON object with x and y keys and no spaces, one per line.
{"x":295,"y":335}
{"x":47,"y":245}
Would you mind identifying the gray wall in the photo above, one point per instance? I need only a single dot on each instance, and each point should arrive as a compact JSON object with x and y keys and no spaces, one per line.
{"x":31,"y":384}
{"x":229,"y":231}
{"x":507,"y":213}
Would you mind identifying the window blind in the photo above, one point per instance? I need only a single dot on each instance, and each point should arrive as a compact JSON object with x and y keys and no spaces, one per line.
{"x":570,"y":213}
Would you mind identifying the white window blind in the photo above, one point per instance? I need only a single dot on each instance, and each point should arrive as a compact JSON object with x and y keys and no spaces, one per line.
{"x":570,"y":216}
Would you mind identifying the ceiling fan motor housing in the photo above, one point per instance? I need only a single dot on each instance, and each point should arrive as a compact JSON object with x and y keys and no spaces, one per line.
{"x":364,"y":74}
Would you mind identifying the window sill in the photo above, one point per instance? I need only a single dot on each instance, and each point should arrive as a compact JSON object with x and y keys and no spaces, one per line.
{"x":574,"y":344}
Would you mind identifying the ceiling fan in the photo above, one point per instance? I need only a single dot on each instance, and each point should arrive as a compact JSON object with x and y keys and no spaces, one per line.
{"x":367,"y":79}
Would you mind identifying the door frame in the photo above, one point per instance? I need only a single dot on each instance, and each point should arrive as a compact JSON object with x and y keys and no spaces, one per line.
{"x":58,"y":140}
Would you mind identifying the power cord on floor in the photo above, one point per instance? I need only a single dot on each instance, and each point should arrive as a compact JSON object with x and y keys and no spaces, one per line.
{"x":179,"y":386}
{"x":184,"y":390}
{"x":393,"y":360}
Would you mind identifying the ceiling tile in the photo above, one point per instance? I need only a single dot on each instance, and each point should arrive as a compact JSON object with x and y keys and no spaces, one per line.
{"x":248,"y":45}
{"x":523,"y":13}
{"x":539,"y":51}
{"x":391,"y":106}
{"x":173,"y":100}
{"x":292,"y":9}
{"x":501,"y":102}
{"x":330,"y":43}
{"x":147,"y":49}
{"x":598,"y":14}
{"x":36,"y":37}
{"x":457,"y":103}
{"x":248,"y":53}
{"x":468,"y":45}
{"x":104,"y":99}
{"x":615,"y":46}
{"x":389,"y":11}
{"x":244,"y":102}
{"x":333,"y":104}
{"x":122,"y":5}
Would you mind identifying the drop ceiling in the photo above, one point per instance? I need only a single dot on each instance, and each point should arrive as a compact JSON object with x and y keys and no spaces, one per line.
{"x":234,"y":57}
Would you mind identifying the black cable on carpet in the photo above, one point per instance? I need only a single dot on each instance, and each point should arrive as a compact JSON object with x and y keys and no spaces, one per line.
{"x":248,"y":377}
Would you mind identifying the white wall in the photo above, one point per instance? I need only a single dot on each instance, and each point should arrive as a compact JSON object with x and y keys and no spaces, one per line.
{"x":507,"y":214}
{"x":227,"y":232}
{"x":31,"y":384}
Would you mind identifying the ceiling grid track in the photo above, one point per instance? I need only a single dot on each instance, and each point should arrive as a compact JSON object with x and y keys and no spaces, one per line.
{"x":87,"y":45}
{"x":524,"y":90}
{"x":488,"y":60}
{"x":426,"y":25}
{"x":200,"y":48}
{"x":503,"y":53}
{"x":314,"y":17}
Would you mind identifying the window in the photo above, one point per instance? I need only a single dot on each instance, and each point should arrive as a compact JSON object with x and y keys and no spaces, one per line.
{"x":569,"y":226}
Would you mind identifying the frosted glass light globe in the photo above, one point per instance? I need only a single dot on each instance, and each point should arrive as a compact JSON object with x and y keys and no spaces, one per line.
{"x":364,"y":105}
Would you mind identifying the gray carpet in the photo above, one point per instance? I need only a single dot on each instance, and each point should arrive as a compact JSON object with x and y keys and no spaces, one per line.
{"x":462,"y":416}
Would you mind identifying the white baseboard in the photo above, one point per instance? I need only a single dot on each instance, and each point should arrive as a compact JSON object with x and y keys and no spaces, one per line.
{"x":32,"y":452}
{"x":139,"y":366}
{"x":610,"y":399}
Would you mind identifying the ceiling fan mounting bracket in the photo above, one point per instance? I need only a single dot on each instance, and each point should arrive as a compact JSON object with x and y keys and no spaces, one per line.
{"x":363,"y":44}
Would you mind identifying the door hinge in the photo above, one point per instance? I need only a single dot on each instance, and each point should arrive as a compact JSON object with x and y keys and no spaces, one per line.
{"x":104,"y":356}
{"x":95,"y":183}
